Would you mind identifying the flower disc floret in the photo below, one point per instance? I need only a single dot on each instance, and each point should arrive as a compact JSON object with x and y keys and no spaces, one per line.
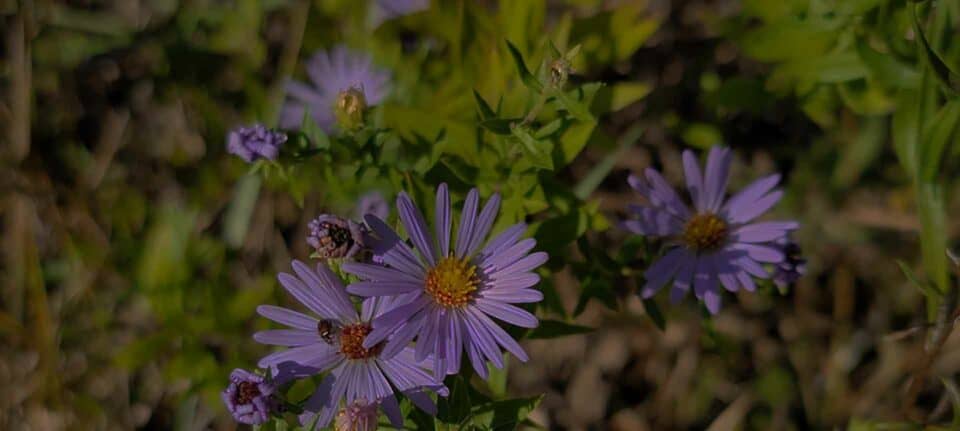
{"x":452,"y":282}
{"x":705,"y":232}
{"x":351,"y":342}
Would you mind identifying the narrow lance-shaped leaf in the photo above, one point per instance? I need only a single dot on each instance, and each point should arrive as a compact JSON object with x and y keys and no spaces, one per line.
{"x":941,"y":71}
{"x":528,"y":79}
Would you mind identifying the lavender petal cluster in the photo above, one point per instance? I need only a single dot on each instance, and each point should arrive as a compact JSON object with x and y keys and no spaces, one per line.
{"x":249,"y":397}
{"x":255,"y":142}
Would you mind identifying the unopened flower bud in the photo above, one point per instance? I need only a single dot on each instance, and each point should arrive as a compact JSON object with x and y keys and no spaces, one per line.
{"x":357,"y":416}
{"x":350,"y":107}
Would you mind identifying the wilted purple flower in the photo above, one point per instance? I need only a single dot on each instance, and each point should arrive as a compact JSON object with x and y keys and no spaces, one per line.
{"x":715,"y":242}
{"x":450,"y":291}
{"x":334,"y":341}
{"x":335,"y":238}
{"x":340,"y":71}
{"x":249,"y":397}
{"x":255,"y":142}
{"x":357,"y":416}
{"x":385,"y":10}
{"x":793,"y":265}
{"x":372,"y":203}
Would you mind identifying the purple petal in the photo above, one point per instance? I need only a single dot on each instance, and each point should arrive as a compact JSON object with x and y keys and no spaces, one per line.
{"x":748,"y":210}
{"x":404,"y":335}
{"x":371,"y":272}
{"x":760,"y":253}
{"x":327,"y":284}
{"x":468,"y":219}
{"x":287,"y":337}
{"x":387,"y":323}
{"x":480,"y":337}
{"x":484,"y":223}
{"x":751,"y":267}
{"x":763,"y":232}
{"x":305,"y":296}
{"x":664,"y":195}
{"x":299,"y":355}
{"x":320,"y":398}
{"x":391,"y":408}
{"x":416,"y":228}
{"x":454,"y":340}
{"x":287,"y":317}
{"x":422,"y":401}
{"x":654,"y":222}
{"x":751,"y":193}
{"x":717,"y":175}
{"x":508,"y":256}
{"x":683,"y":279}
{"x":394,"y":251}
{"x":507,"y":313}
{"x":746,"y":281}
{"x":516,"y":281}
{"x":443,"y":221}
{"x":663,"y":270}
{"x":402,"y":371}
{"x":500,"y":335}
{"x":501,"y":242}
{"x":514,"y":296}
{"x":691,"y":171}
{"x":383,"y":288}
{"x":528,"y":263}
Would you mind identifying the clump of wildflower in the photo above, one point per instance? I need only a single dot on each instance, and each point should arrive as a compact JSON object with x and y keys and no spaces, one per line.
{"x":793,"y":265}
{"x":374,"y":204}
{"x":359,"y":415}
{"x":249,"y":397}
{"x":333,"y":237}
{"x":448,"y":291}
{"x":334,"y":342}
{"x":717,"y":242}
{"x":251,"y":143}
{"x":342,"y":80}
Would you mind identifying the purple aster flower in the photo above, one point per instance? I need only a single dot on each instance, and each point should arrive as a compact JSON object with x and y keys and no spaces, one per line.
{"x":255,"y":142}
{"x":341,"y":78}
{"x":385,"y":10}
{"x":249,"y":397}
{"x":334,"y":342}
{"x":793,"y":265}
{"x":373,"y":203}
{"x":717,"y":242}
{"x":451,"y":290}
{"x":335,"y":238}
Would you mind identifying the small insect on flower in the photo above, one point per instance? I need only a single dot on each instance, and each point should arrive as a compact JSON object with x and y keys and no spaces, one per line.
{"x":342,"y":80}
{"x":449,"y":291}
{"x":249,"y":397}
{"x":255,"y":142}
{"x":333,"y":237}
{"x":718,"y":241}
{"x":334,"y":343}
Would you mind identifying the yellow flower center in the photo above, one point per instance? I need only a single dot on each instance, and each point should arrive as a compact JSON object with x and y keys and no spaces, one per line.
{"x":452,"y":282}
{"x":351,"y":342}
{"x":705,"y":232}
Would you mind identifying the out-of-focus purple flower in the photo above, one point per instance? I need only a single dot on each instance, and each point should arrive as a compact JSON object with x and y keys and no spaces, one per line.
{"x":385,"y":10}
{"x":449,"y":291}
{"x":335,"y":238}
{"x":717,"y":242}
{"x":357,"y":416}
{"x":332,"y":73}
{"x":249,"y":397}
{"x":374,"y":204}
{"x":334,"y":342}
{"x":255,"y":142}
{"x":793,"y":266}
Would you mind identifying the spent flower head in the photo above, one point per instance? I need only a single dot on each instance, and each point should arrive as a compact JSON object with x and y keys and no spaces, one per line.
{"x":718,"y":241}
{"x":333,"y":237}
{"x":342,"y":80}
{"x":249,"y":397}
{"x":255,"y":142}
{"x":447,"y":291}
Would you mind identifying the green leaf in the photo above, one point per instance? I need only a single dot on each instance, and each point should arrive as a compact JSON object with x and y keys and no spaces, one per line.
{"x":924,"y":287}
{"x":555,"y":329}
{"x":528,"y":79}
{"x":858,"y":155}
{"x":943,"y":74}
{"x":626,"y":93}
{"x":504,"y":415}
{"x":500,"y":126}
{"x":905,"y":130}
{"x":886,"y":68}
{"x":485,"y":112}
{"x":933,"y":238}
{"x":944,"y":131}
{"x":538,"y":151}
{"x":575,"y":107}
{"x":240,"y":211}
{"x":455,"y":409}
{"x":653,"y":310}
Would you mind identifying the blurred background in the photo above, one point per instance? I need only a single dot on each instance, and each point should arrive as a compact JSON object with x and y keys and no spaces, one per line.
{"x":135,"y":250}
